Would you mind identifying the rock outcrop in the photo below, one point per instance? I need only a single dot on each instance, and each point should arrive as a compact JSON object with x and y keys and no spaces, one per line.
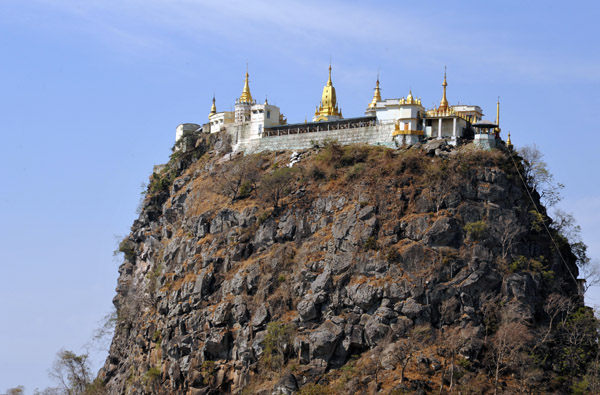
{"x":368,"y":248}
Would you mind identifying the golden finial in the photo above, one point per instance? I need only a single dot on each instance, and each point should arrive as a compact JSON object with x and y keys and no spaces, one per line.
{"x":508,"y":142}
{"x":444,"y":83}
{"x":444,"y":103}
{"x":246,"y":97}
{"x":497,"y":128}
{"x":376,"y":95}
{"x":213,"y":108}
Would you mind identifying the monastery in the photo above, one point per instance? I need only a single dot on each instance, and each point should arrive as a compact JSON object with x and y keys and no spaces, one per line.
{"x":255,"y":127}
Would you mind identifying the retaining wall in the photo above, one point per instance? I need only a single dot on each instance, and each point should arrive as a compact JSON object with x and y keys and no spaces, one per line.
{"x":375,"y":135}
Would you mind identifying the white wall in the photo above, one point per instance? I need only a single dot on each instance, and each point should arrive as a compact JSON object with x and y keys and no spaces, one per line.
{"x":262,"y":115}
{"x":387,"y":114}
{"x":181,"y":128}
{"x":242,"y":112}
{"x":447,"y":127}
{"x":389,"y":111}
{"x":219,"y":120}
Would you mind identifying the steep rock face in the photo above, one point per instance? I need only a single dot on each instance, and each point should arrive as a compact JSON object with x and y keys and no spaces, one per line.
{"x":350,"y":264}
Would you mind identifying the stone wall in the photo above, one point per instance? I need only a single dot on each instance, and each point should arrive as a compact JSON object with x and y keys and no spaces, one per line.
{"x":374,"y":135}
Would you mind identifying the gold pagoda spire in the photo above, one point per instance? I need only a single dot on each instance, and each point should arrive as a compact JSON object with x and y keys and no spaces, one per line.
{"x":213,"y":108}
{"x":328,"y":106}
{"x":497,"y":128}
{"x":508,"y":142}
{"x":246,"y":96}
{"x":444,"y":103}
{"x":376,"y":95}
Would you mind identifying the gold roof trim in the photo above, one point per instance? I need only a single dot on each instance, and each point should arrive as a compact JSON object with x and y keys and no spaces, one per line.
{"x":410,"y":99}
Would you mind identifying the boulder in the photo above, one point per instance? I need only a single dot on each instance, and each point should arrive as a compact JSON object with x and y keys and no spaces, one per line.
{"x":354,"y":338}
{"x":416,"y":227}
{"x":375,"y":331}
{"x":364,"y":295}
{"x":265,"y":235}
{"x":323,"y":341}
{"x":239,"y":311}
{"x":286,"y":229}
{"x":416,"y":311}
{"x":445,"y":232}
{"x":217,"y":344}
{"x":258,"y":345}
{"x":224,"y":220}
{"x":433,"y":145}
{"x":204,"y":282}
{"x":306,"y":308}
{"x":322,"y":282}
{"x":287,"y":385}
{"x":222,"y":314}
{"x":261,"y":315}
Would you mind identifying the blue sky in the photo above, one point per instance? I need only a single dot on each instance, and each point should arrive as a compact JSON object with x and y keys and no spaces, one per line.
{"x":91,"y":92}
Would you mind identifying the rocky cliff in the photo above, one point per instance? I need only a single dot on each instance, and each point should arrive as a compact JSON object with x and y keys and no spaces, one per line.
{"x":359,"y":269}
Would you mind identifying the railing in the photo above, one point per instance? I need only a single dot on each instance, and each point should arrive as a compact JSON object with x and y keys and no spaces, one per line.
{"x":315,"y":127}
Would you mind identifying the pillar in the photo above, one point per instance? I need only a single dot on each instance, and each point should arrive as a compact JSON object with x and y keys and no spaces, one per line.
{"x":440,"y":129}
{"x":454,"y":128}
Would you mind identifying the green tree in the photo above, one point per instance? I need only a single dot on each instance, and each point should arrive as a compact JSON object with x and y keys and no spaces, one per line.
{"x":579,"y":342}
{"x":476,"y":230}
{"x":277,"y":343}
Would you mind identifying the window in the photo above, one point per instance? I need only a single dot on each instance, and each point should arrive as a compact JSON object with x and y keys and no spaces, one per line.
{"x":268,"y":114}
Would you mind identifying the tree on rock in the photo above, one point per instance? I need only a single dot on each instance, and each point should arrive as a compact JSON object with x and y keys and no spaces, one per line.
{"x":538,"y":177}
{"x":276,"y":185}
{"x":279,"y":338}
{"x":72,"y":374}
{"x":237,"y":179}
{"x":507,"y":346}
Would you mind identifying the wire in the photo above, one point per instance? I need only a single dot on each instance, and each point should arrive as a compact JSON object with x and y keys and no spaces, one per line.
{"x":543,"y":222}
